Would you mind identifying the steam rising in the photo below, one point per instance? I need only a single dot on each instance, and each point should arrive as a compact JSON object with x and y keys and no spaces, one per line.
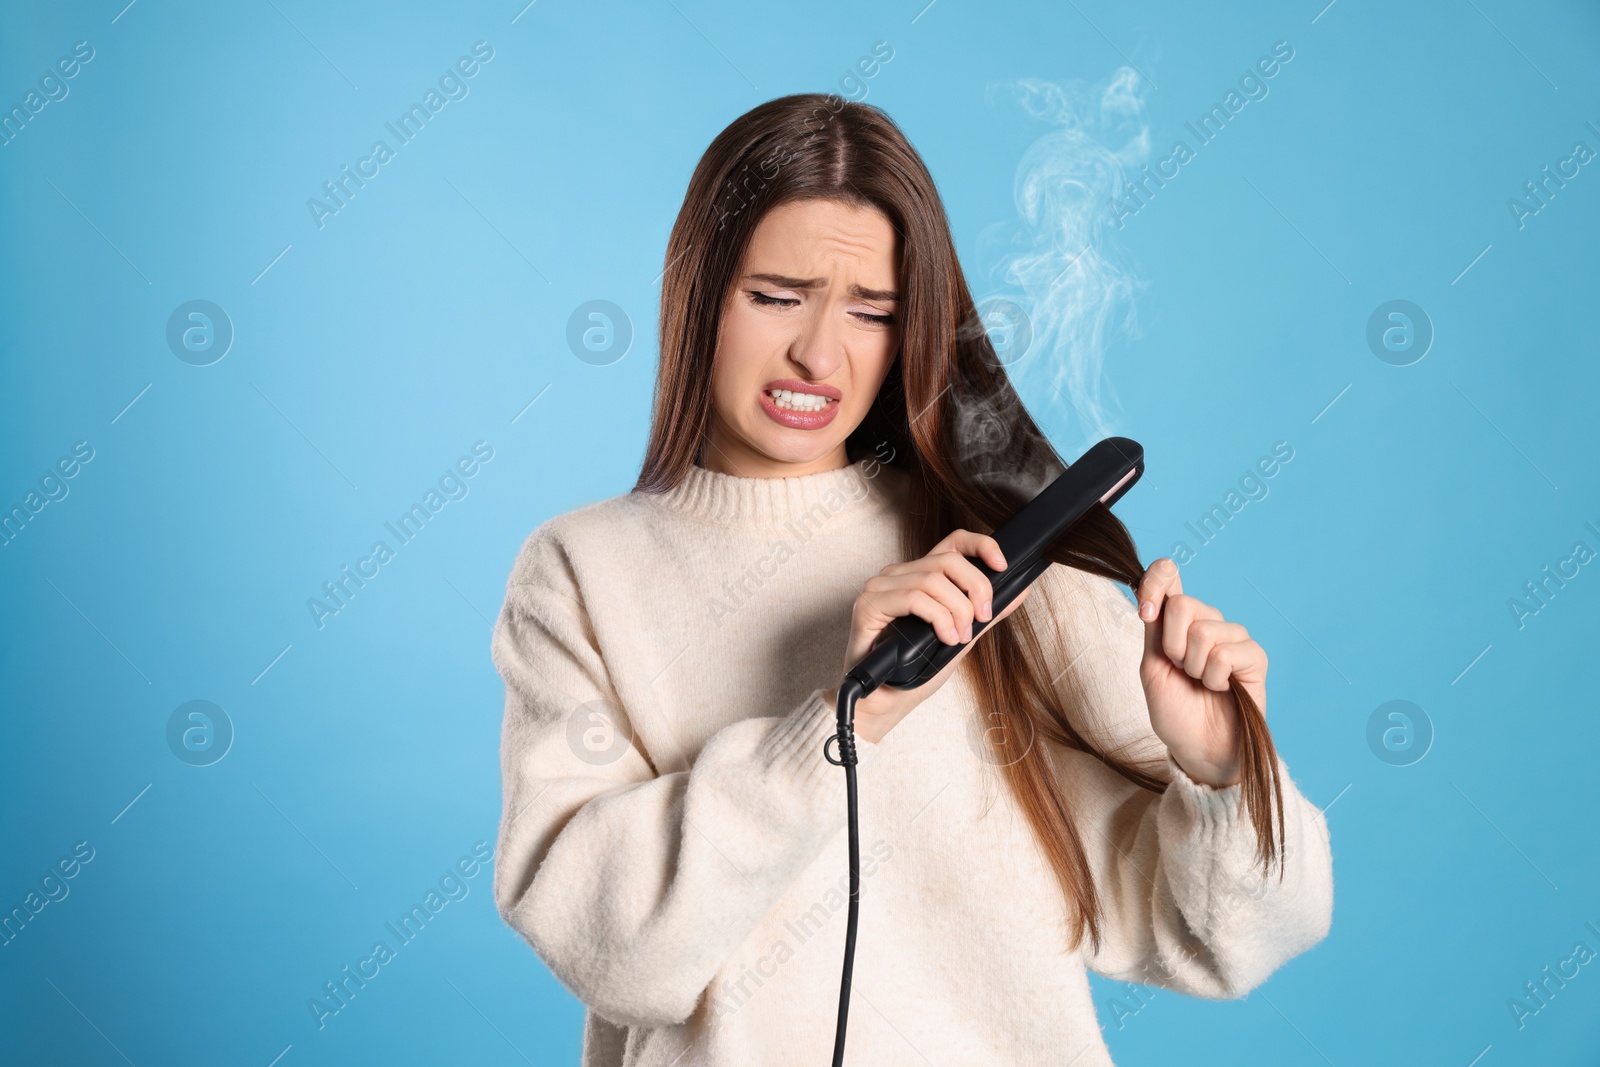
{"x":1068,"y":298}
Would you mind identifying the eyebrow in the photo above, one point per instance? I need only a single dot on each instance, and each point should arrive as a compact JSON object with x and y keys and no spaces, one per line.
{"x":784,"y":282}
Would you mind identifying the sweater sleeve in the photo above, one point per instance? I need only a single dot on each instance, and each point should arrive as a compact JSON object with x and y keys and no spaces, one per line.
{"x":1185,"y":904}
{"x":635,"y":886}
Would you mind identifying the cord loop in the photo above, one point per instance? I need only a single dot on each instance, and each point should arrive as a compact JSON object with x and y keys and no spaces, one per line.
{"x":847,"y":750}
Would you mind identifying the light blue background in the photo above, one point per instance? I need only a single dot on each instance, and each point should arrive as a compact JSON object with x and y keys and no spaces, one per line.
{"x":427,"y":314}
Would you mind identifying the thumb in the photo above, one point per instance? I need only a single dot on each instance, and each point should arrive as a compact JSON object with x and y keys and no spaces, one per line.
{"x":1152,"y":636}
{"x":1160,"y":581}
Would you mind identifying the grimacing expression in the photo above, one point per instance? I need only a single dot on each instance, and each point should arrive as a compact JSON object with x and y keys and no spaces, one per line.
{"x":809,"y":331}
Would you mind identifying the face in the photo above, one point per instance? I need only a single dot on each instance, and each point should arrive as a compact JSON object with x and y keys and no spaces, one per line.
{"x":809,"y":331}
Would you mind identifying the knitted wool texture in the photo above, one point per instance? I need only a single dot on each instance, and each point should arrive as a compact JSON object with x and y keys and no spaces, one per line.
{"x":672,"y":839}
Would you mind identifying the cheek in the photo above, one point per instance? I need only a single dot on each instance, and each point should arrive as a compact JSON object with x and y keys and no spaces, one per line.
{"x":741,"y":348}
{"x":869,"y":360}
{"x":873,"y":362}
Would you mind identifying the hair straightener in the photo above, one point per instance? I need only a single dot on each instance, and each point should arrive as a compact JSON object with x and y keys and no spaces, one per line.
{"x":908,"y":652}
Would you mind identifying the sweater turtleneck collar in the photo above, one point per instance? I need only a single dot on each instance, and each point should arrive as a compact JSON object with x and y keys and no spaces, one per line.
{"x":731,"y":500}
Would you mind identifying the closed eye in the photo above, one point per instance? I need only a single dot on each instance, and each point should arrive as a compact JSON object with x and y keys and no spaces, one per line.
{"x":767,"y":300}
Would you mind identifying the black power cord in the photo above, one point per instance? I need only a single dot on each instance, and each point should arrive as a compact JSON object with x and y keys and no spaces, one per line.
{"x":849,"y":690}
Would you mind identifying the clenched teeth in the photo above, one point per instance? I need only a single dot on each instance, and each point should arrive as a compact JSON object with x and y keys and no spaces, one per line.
{"x":793,"y":401}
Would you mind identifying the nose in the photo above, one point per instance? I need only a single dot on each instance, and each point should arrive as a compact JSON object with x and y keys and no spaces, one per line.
{"x":818,"y":348}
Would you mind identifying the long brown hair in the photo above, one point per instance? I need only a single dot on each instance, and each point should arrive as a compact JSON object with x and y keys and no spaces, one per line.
{"x":821,"y":146}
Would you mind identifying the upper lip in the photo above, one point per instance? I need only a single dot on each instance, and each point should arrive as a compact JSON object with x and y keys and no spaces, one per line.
{"x":794,"y":385}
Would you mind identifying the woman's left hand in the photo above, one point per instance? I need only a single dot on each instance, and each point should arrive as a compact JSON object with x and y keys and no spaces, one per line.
{"x":1189,"y":654}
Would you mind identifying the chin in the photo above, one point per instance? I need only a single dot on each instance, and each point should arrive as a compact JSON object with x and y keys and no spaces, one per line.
{"x":799,"y":447}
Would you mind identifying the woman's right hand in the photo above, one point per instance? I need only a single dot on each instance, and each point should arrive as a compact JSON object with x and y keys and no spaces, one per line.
{"x":943,"y":588}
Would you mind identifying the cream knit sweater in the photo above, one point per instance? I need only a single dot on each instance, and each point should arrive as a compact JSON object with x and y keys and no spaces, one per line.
{"x":672,"y":840}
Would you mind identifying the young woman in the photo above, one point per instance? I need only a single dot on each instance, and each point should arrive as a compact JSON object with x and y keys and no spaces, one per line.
{"x":1086,"y":787}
